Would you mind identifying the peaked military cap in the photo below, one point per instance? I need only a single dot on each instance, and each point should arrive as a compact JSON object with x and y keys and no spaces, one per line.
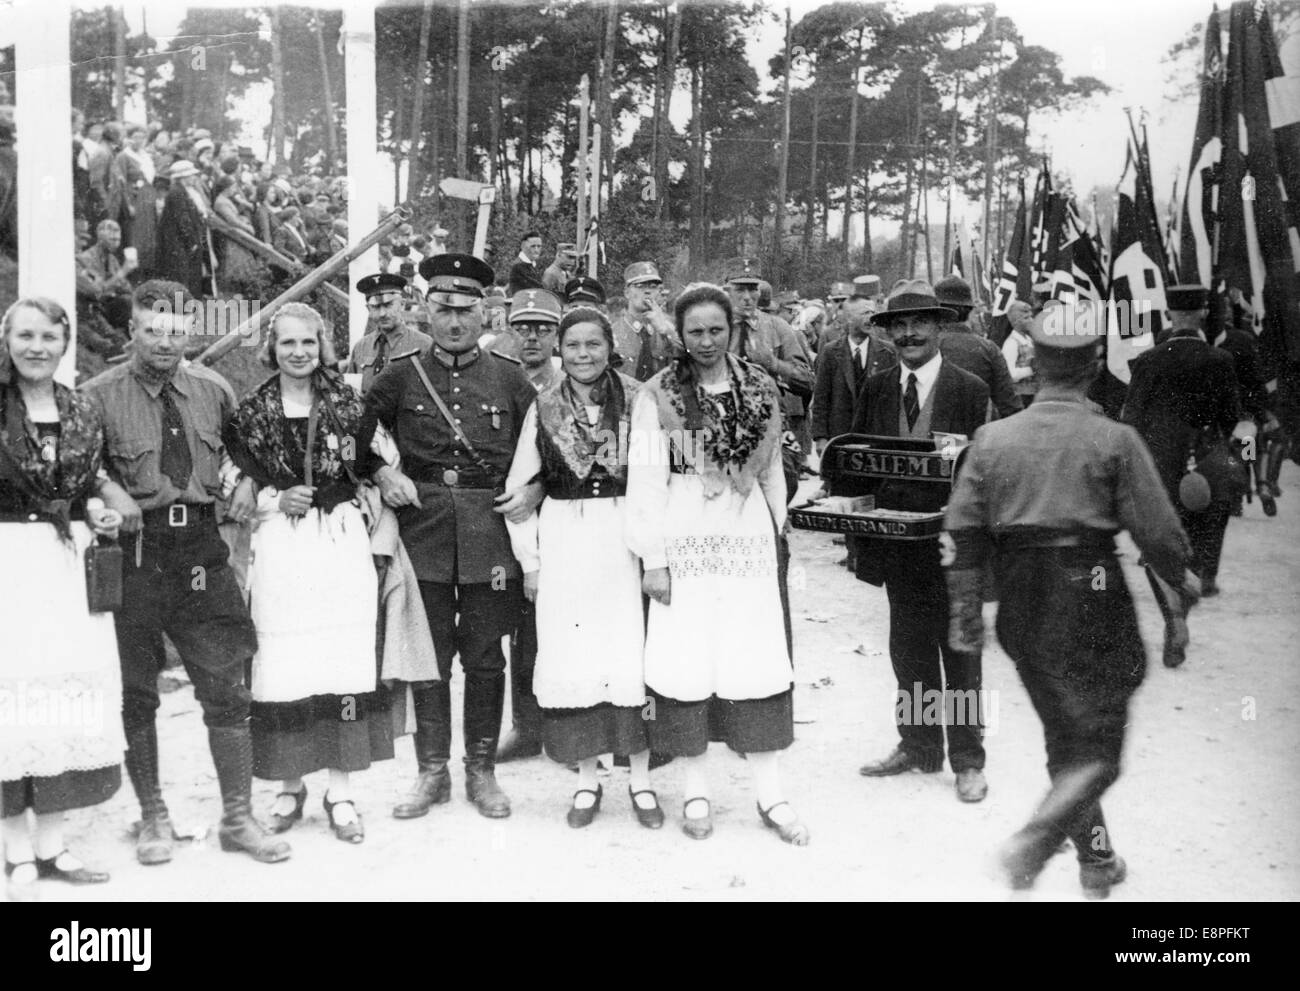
{"x":584,"y":289}
{"x":1188,"y":297}
{"x":639,"y":272}
{"x":456,"y":280}
{"x":744,"y":272}
{"x":534,"y":306}
{"x":381,"y":282}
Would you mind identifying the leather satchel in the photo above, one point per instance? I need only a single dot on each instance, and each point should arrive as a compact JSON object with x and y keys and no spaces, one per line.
{"x":104,"y":576}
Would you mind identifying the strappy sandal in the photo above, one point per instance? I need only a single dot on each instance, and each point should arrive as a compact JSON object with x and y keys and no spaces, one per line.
{"x":795,"y":833}
{"x":348,"y":832}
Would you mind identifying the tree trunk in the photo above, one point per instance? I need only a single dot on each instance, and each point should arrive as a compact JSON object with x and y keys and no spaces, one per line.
{"x":399,"y":122}
{"x":663,"y":124}
{"x":811,"y":193}
{"x":868,"y":262}
{"x":119,"y":61}
{"x":331,"y":138}
{"x":462,"y":109}
{"x":783,"y":170}
{"x":991,"y":129}
{"x":494,"y":120}
{"x":904,"y":245}
{"x":277,"y":87}
{"x":414,"y":177}
{"x":950,"y":179}
{"x":697,"y":232}
{"x":853,"y":147}
{"x":925,"y":204}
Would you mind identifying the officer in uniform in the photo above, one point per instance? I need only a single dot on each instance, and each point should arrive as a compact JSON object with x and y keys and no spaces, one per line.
{"x":456,"y":442}
{"x":923,"y":394}
{"x":558,"y":273}
{"x":644,"y":335}
{"x":1039,"y":499}
{"x":1181,"y":391}
{"x":391,"y":337}
{"x":534,"y":319}
{"x":162,"y":425}
{"x":835,"y":327}
{"x":788,"y":305}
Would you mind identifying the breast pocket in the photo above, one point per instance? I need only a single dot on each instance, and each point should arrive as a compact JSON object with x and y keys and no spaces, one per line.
{"x":135,"y":462}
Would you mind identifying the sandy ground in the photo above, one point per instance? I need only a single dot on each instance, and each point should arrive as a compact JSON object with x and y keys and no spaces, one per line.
{"x":1206,"y":807}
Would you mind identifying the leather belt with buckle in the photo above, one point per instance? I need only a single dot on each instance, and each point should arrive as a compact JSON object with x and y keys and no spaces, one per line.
{"x":178,"y":515}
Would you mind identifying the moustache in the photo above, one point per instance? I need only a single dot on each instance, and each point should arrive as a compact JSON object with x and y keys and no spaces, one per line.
{"x":909,"y":342}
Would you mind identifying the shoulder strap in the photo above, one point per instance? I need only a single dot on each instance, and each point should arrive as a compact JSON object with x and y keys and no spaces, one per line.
{"x":451,"y":420}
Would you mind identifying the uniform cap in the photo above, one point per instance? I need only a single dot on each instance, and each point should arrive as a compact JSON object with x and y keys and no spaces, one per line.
{"x":567,"y":249}
{"x":1188,"y":297}
{"x":744,"y":272}
{"x":456,"y":280}
{"x":381,"y":282}
{"x":1068,"y":330}
{"x":584,"y":289}
{"x":866,"y":286}
{"x":787,"y":298}
{"x":639,"y":272}
{"x":534,"y":306}
{"x":840,"y":290}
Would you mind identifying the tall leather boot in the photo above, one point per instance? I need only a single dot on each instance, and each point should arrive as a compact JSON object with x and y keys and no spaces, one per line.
{"x":232,"y":755}
{"x":432,"y":744}
{"x":525,"y":737}
{"x":484,"y":700}
{"x":1173,"y":609}
{"x":155,"y":837}
{"x":1073,"y":791}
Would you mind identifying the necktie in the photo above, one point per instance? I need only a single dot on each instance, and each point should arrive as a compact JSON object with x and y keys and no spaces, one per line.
{"x":742,"y":346}
{"x":645,"y":360}
{"x":176,"y":462}
{"x":911,"y":408}
{"x":381,"y":353}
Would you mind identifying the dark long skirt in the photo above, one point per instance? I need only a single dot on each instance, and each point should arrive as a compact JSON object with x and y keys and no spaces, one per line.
{"x":61,"y":792}
{"x":571,"y":735}
{"x":747,"y":726}
{"x":342,"y":733}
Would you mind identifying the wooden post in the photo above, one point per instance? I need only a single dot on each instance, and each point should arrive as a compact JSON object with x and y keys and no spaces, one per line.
{"x":331,"y":135}
{"x":853,"y":147}
{"x":277,"y":88}
{"x":593,"y":242}
{"x":42,"y":108}
{"x":783,"y":169}
{"x":413,"y":176}
{"x":584,"y":115}
{"x":991,"y":126}
{"x":362,"y":163}
{"x":462,"y":100}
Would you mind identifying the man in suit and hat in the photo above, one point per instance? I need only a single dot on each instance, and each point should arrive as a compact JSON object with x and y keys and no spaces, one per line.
{"x":842,"y":368}
{"x":184,"y":245}
{"x":455,"y":412}
{"x":524,"y":273}
{"x":1182,"y":397}
{"x":560,"y":271}
{"x":1039,"y":501}
{"x":389,"y":336}
{"x":644,"y":336}
{"x":924,"y":393}
{"x":970,"y":352}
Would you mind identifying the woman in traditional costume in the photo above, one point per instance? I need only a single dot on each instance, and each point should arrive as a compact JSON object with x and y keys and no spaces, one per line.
{"x":706,"y":497}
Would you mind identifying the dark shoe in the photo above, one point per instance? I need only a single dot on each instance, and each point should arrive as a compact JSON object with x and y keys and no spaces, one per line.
{"x":1269,"y":504}
{"x":577,"y":818}
{"x":481,"y":786}
{"x":898,"y":762}
{"x":282,"y":823}
{"x":1209,"y":589}
{"x":1176,"y":640}
{"x":795,"y":833}
{"x":432,"y":787}
{"x":51,"y":871}
{"x":649,"y":818}
{"x":971,"y":786}
{"x":701,"y":828}
{"x":516,"y":746}
{"x":1019,"y":864}
{"x":232,"y":755}
{"x":1097,"y":878}
{"x":154,"y":841}
{"x":349,"y":832}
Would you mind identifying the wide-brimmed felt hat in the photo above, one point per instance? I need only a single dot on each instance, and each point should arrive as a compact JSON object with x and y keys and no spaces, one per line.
{"x":953,"y":290}
{"x":910,"y":298}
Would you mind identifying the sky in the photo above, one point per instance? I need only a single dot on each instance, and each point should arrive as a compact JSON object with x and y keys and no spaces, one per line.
{"x":1121,"y":42}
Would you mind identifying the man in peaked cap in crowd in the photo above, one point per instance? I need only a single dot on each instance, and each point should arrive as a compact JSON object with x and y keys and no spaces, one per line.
{"x":534,"y":319}
{"x":390,"y":337}
{"x":644,"y":335}
{"x":1182,"y":393}
{"x":455,"y":413}
{"x":560,"y":271}
{"x":921,"y":395}
{"x":788,"y":305}
{"x":1040,"y":498}
{"x":971,"y":353}
{"x":835,"y":329}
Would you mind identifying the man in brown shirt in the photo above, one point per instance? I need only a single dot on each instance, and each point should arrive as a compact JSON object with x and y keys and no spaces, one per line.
{"x":162,"y":427}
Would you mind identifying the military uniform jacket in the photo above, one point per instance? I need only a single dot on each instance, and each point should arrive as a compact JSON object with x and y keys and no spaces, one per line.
{"x":983,"y":359}
{"x":795,"y":379}
{"x":838,"y":382}
{"x":627,"y":342}
{"x":453,"y":536}
{"x":1178,"y":389}
{"x":405,"y":340}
